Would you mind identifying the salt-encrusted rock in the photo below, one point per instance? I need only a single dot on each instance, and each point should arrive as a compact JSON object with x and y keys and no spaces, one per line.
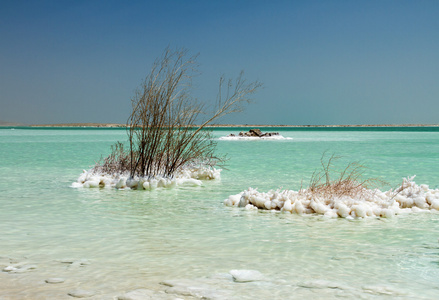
{"x":189,"y":182}
{"x":140,"y":294}
{"x":21,"y":268}
{"x":9,"y":269}
{"x":246,"y":275}
{"x":190,"y":176}
{"x":384,"y":290}
{"x":242,"y":201}
{"x":409,"y":198}
{"x":322,"y":284}
{"x":255,"y":132}
{"x":55,"y":280}
{"x":195,"y":288}
{"x":122,"y":183}
{"x":81,"y":293}
{"x":178,"y":282}
{"x":145,"y":294}
{"x":198,"y":292}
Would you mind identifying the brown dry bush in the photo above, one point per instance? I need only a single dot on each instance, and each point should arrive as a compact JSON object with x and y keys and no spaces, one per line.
{"x":166,"y":130}
{"x":118,"y":162}
{"x":348,"y":183}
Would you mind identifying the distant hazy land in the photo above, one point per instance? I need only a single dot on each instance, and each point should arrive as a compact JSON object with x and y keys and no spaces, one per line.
{"x":116,"y":125}
{"x":3,"y":123}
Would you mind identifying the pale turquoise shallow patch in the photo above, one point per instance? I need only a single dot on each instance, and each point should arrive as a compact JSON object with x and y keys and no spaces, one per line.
{"x":118,"y":241}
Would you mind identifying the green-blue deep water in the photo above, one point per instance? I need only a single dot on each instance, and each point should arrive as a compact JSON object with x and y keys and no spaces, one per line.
{"x":129,"y":239}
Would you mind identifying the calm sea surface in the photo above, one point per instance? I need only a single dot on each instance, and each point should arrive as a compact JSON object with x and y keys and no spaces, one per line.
{"x":111,"y":242}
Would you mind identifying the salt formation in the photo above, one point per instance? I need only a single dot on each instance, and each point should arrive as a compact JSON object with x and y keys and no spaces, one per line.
{"x":246,"y":275}
{"x":192,"y":176}
{"x":81,"y":293}
{"x":252,"y":138}
{"x":19,"y":268}
{"x":254,"y":134}
{"x":408,"y":198}
{"x":54,"y":280}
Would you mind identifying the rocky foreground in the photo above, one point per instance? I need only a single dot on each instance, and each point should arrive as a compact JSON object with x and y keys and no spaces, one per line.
{"x":35,"y":281}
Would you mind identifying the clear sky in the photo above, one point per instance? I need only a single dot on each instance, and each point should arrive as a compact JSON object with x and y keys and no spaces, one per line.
{"x":321,"y":62}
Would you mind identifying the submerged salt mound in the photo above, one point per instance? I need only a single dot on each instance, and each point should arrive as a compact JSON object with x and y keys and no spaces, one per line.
{"x":410,"y":197}
{"x":187,"y":177}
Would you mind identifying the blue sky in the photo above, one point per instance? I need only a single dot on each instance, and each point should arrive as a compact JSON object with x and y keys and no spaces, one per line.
{"x":321,"y":62}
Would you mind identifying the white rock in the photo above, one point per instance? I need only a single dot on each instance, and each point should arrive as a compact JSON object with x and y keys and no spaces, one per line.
{"x":420,"y":202}
{"x":318,"y":207}
{"x":384,"y":290}
{"x":435,"y":204}
{"x":146,"y":185}
{"x":194,"y":288}
{"x":343,"y":211}
{"x":139,"y":294}
{"x":161,"y":183}
{"x":228,"y":202}
{"x":92,"y":183}
{"x":55,"y":280}
{"x":246,"y":275}
{"x":250,"y":207}
{"x":360,"y":211}
{"x":320,"y":284}
{"x":267,"y":204}
{"x":81,"y":293}
{"x":299,"y":207}
{"x":242,"y":201}
{"x":24,"y":268}
{"x":190,"y":182}
{"x":259,"y":201}
{"x":287,"y":205}
{"x":132,"y":183}
{"x":9,"y":269}
{"x":77,"y":185}
{"x":122,"y":183}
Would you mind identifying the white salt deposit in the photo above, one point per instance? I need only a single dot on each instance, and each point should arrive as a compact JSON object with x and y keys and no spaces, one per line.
{"x":187,"y":177}
{"x":81,"y":293}
{"x":19,"y":268}
{"x":246,"y":275}
{"x":254,"y":138}
{"x":55,"y":280}
{"x":143,"y":294}
{"x":409,"y":198}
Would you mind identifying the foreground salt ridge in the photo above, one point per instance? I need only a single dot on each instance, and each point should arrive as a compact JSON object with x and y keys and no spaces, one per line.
{"x":410,"y":197}
{"x":187,"y":177}
{"x":253,"y":138}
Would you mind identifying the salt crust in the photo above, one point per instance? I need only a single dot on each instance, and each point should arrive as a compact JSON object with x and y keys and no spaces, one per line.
{"x":409,"y":198}
{"x":187,"y":177}
{"x":254,"y":138}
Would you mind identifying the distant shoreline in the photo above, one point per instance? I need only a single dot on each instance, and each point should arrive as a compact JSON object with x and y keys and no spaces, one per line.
{"x":114,"y":125}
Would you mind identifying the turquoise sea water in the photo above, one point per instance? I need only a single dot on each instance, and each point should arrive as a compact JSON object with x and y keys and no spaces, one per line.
{"x":112,"y":241}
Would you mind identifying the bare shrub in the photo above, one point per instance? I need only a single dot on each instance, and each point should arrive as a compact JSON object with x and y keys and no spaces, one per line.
{"x":118,"y":162}
{"x":348,"y":183}
{"x":163,"y":129}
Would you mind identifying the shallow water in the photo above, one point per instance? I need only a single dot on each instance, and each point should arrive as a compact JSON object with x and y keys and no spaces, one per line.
{"x":115,"y":241}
